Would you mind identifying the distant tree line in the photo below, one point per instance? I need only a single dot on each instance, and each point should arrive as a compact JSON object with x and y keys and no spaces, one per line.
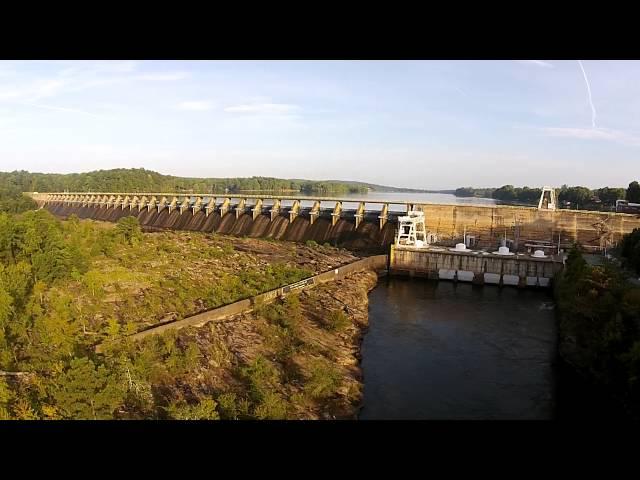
{"x":139,"y":179}
{"x":569,"y":197}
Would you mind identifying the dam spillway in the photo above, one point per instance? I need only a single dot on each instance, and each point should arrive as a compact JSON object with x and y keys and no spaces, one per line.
{"x":369,"y":225}
{"x":342,"y":232}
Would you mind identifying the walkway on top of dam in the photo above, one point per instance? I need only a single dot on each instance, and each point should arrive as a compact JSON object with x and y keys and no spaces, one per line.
{"x":193,"y":198}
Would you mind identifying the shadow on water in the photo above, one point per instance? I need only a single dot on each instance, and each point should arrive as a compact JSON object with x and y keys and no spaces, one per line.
{"x":439,"y":350}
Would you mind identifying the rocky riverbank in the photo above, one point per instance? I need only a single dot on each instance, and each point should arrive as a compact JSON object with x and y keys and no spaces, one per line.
{"x":298,"y":359}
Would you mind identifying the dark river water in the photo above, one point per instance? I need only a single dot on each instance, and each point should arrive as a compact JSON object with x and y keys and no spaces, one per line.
{"x":439,"y":350}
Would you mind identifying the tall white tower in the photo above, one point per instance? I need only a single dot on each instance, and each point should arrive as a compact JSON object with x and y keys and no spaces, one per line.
{"x":547,"y":199}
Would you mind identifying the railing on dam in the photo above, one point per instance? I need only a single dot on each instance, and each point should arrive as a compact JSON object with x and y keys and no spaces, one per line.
{"x":239,"y":203}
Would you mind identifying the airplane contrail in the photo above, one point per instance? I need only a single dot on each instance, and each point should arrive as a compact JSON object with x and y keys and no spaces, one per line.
{"x":593,"y":109}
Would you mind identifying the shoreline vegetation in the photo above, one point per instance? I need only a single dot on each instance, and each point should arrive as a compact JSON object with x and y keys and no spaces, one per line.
{"x":602,"y":199}
{"x":141,"y":180}
{"x":599,"y":327}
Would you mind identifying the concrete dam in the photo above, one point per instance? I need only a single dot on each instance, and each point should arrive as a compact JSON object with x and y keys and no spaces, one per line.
{"x":353,"y":229}
{"x":368,"y":226}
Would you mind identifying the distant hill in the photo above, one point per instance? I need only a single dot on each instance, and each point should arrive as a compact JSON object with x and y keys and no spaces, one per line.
{"x":140,"y":179}
{"x":384,"y":188}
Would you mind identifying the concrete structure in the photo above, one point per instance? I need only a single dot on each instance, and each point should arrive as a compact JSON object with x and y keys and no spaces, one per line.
{"x":370,"y":222}
{"x":475,"y":266}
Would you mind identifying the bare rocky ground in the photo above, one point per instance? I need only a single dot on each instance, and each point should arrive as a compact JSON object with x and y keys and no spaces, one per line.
{"x":240,"y":340}
{"x":170,"y":275}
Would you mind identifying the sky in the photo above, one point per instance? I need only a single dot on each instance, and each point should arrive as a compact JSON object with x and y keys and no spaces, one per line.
{"x":418,"y":124}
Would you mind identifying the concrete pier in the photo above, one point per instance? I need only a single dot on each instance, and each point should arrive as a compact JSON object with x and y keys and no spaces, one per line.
{"x":520,"y":270}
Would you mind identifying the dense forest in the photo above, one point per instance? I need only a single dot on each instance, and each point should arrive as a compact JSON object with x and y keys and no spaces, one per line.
{"x":599,"y":317}
{"x":569,"y":197}
{"x":139,"y":179}
{"x":120,"y":180}
{"x":66,"y":286}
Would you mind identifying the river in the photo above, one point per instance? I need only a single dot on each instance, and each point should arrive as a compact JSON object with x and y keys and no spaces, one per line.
{"x":439,"y":350}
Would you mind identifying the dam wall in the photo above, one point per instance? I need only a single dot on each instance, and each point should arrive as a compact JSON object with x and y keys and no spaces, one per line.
{"x":370,"y":227}
{"x":366,"y":237}
{"x":520,"y":225}
{"x":488,"y":224}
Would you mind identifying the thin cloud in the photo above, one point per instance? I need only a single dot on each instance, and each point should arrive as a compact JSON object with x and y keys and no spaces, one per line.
{"x":34,"y":91}
{"x":592,"y":134}
{"x":162,"y":77}
{"x":116,"y":66}
{"x":263,"y":108}
{"x":539,"y":63}
{"x":195,"y":105}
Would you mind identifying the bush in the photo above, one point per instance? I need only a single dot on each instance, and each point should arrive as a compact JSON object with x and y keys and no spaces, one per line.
{"x":261,"y":376}
{"x":338,"y":321}
{"x":324,"y":379}
{"x":227,"y":405}
{"x":205,"y":410}
{"x":311,"y":243}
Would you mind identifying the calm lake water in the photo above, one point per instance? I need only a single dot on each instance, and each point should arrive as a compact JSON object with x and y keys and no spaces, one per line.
{"x":439,"y":350}
{"x":372,"y":197}
{"x":373,"y":200}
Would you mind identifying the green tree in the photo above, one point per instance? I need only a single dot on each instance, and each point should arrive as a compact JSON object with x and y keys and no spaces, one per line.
{"x":6,"y":396}
{"x":633,"y":192}
{"x":87,"y":392}
{"x":505,"y":193}
{"x":580,"y":197}
{"x":204,"y":410}
{"x":608,"y":196}
{"x":129,"y":230}
{"x":630,"y":249}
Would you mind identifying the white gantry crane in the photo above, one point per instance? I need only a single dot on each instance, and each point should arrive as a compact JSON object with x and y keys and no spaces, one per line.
{"x":411,"y":229}
{"x":547,"y":199}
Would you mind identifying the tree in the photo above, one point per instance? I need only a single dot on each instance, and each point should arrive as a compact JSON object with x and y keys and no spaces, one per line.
{"x":576,"y":264}
{"x":630,"y":249}
{"x":86,"y":392}
{"x":633,"y":192}
{"x":578,"y":196}
{"x":464,"y":192}
{"x":129,"y":230}
{"x":506,"y":193}
{"x":608,"y":196}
